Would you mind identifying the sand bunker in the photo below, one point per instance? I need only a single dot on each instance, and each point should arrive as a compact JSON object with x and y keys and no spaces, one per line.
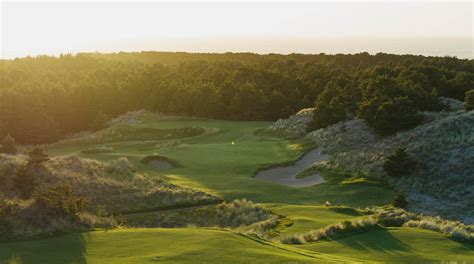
{"x":287,"y":175}
{"x":160,"y":164}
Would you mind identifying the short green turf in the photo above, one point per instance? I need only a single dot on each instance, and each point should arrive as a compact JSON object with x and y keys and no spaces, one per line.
{"x":304,"y":218}
{"x":212,"y":163}
{"x":223,"y":162}
{"x":180,"y":245}
{"x":399,"y":245}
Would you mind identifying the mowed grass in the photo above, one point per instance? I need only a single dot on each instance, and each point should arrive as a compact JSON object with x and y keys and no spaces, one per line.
{"x":305,"y":218}
{"x":398,"y":245}
{"x":183,"y":245}
{"x":225,"y":162}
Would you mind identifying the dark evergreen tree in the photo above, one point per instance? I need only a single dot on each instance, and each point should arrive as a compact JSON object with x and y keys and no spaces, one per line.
{"x":24,"y":182}
{"x":469,"y":100}
{"x":400,"y":201}
{"x":45,"y":98}
{"x":37,"y":157}
{"x":9,"y":145}
{"x":399,"y":164}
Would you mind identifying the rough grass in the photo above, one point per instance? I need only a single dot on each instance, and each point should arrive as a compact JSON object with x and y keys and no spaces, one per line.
{"x":133,"y":133}
{"x":227,"y":214}
{"x":20,"y":219}
{"x":210,"y":162}
{"x":98,"y":149}
{"x":113,"y":186}
{"x":383,"y":218}
{"x":443,"y":149}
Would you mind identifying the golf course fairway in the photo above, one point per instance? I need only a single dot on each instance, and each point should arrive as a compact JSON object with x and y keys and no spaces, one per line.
{"x":224,"y":162}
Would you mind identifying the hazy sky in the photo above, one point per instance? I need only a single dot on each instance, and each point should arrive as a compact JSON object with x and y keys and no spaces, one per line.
{"x":31,"y":28}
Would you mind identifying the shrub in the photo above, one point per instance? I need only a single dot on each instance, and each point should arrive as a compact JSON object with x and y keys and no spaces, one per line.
{"x":400,"y":201}
{"x":37,"y":157}
{"x":7,"y":215}
{"x":390,"y":116}
{"x":9,"y":145}
{"x":452,"y":229}
{"x":469,"y":100}
{"x":96,"y":150}
{"x":24,"y":182}
{"x":333,"y":231}
{"x":61,"y":201}
{"x":237,"y":213}
{"x":398,"y":164}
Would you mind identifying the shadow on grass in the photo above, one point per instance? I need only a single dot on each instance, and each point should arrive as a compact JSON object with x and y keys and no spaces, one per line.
{"x":65,"y":249}
{"x":380,"y":240}
{"x":345,"y":210}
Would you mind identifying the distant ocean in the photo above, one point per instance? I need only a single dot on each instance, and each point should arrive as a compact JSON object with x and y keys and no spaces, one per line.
{"x":458,"y":47}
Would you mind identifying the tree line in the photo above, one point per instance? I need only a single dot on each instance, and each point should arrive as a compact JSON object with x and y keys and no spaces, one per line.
{"x":44,"y":98}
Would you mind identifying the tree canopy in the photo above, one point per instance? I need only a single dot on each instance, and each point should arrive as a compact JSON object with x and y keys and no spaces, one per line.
{"x":44,"y":98}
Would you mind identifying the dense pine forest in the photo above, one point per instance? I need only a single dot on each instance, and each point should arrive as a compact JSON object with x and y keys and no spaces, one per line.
{"x":42,"y":99}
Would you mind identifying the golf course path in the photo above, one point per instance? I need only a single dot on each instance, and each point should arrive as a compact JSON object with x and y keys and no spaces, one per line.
{"x":287,"y":175}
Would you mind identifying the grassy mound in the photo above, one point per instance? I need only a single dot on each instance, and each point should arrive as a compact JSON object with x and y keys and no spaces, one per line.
{"x":112,"y":186}
{"x":384,"y":218}
{"x":152,"y":158}
{"x":97,"y":150}
{"x":55,"y":211}
{"x":443,"y":149}
{"x":227,"y":214}
{"x":136,"y":133}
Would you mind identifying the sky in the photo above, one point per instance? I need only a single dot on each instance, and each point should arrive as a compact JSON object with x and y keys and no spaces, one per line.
{"x":418,"y":27}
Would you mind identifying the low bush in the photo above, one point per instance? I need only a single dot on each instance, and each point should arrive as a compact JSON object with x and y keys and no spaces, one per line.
{"x":61,"y":201}
{"x":8,"y":145}
{"x":452,"y":229}
{"x":114,"y":185}
{"x":395,"y":217}
{"x":49,"y":212}
{"x":227,"y":214}
{"x":97,"y":150}
{"x":334,"y":231}
{"x":400,"y":201}
{"x":132,"y":133}
{"x":381,"y":218}
{"x":24,"y":181}
{"x":442,"y":148}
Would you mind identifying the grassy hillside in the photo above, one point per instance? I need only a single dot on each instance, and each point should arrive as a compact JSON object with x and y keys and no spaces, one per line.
{"x":224,"y":163}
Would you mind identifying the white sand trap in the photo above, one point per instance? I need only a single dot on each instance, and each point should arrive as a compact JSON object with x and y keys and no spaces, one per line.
{"x":287,"y":175}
